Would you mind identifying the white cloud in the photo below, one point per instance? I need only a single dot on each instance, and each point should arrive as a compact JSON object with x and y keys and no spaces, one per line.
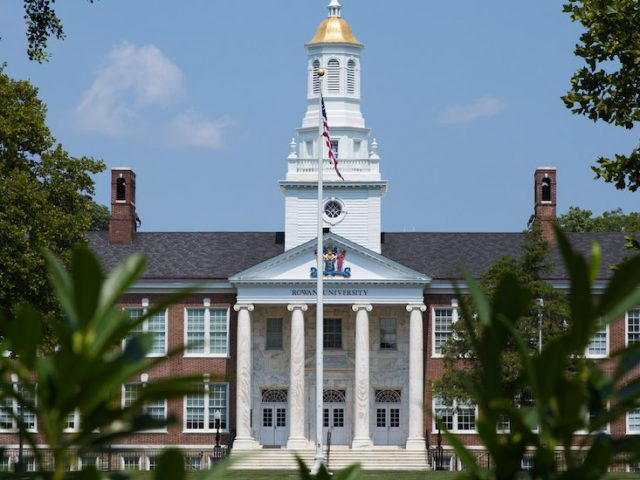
{"x":483,"y":107}
{"x":133,"y":78}
{"x":190,"y":129}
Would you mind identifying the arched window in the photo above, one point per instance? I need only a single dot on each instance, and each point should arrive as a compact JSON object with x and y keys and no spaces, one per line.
{"x":388,"y":396}
{"x":274,"y":396}
{"x":333,"y":76}
{"x":546,"y":189}
{"x":351,"y":77}
{"x":316,"y":79}
{"x":334,"y":396}
{"x":120,"y":190}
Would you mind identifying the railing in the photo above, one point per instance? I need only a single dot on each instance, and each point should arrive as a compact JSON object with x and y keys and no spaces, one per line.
{"x":352,"y":165}
{"x":114,"y":459}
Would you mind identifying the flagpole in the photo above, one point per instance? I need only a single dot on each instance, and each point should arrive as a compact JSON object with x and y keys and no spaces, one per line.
{"x":319,"y":458}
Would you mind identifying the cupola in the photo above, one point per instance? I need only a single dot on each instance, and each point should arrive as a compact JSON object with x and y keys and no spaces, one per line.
{"x":334,"y":29}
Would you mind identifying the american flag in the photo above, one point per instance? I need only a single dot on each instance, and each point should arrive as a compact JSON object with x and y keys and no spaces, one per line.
{"x":325,"y":134}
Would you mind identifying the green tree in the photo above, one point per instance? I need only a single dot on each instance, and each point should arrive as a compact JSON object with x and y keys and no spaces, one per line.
{"x":607,"y":87}
{"x":459,"y":358}
{"x":571,"y":394}
{"x":45,"y":197}
{"x":99,"y":216}
{"x":42,"y":24}
{"x":579,"y":220}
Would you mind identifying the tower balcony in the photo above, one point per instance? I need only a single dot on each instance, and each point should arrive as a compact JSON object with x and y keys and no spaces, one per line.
{"x":352,"y":169}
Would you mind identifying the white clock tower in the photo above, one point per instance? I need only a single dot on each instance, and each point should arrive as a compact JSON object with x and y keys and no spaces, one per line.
{"x":352,"y":205}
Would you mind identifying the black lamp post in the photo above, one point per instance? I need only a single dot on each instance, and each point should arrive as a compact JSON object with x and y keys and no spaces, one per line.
{"x":439,"y":451}
{"x":217,"y":416}
{"x":540,"y":305}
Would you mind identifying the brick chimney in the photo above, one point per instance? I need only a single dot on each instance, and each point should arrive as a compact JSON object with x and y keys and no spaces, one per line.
{"x":124,"y":220}
{"x":545,"y":197}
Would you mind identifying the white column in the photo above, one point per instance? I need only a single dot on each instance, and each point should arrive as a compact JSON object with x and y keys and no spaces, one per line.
{"x":361,"y":436}
{"x":416,"y":378}
{"x":297,"y":440}
{"x":244,"y":440}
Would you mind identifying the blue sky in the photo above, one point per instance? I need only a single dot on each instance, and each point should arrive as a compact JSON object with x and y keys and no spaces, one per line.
{"x":202,"y":97}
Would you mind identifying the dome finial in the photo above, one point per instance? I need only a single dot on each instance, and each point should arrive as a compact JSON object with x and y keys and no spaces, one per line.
{"x":334,"y":9}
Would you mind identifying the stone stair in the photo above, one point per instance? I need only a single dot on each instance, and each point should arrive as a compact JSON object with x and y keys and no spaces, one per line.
{"x":377,"y":458}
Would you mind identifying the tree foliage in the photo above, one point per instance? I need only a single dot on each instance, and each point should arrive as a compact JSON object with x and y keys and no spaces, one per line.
{"x":579,"y":220}
{"x":607,"y":87}
{"x":45,"y":197}
{"x":459,"y":358}
{"x":564,"y":404}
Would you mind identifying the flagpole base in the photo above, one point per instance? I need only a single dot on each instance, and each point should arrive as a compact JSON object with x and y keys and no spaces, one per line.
{"x":318,"y":462}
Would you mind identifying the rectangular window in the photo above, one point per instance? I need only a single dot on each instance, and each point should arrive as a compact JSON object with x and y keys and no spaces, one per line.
{"x":207,"y":331}
{"x":633,"y":421}
{"x":5,"y":463}
{"x":388,"y":334}
{"x":599,"y":345}
{"x":332,"y":333}
{"x":334,"y":147}
{"x":131,"y":462}
{"x":88,"y":461}
{"x":10,"y":410}
{"x":633,"y":326}
{"x":73,"y":422}
{"x":156,"y":325}
{"x":274,"y":334}
{"x":456,"y":416}
{"x":203,"y":407}
{"x":156,"y":409}
{"x":309,"y":145}
{"x":442,"y":328}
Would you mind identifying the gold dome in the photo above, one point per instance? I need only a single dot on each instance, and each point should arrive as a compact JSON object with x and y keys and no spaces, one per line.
{"x":334,"y":30}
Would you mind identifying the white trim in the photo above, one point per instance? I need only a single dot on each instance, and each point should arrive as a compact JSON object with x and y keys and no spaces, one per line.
{"x":607,"y":342}
{"x":454,"y":319}
{"x":626,"y":424}
{"x":145,"y":327}
{"x":207,"y":430}
{"x":454,"y":407}
{"x":207,"y":332}
{"x":626,"y":325}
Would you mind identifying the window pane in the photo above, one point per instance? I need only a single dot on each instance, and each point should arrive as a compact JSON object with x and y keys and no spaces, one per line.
{"x":332,"y":333}
{"x":218,"y":334}
{"x":195,"y":330}
{"x":218,"y":401}
{"x":274,"y":334}
{"x":466,"y":417}
{"x":131,"y":393}
{"x":388,"y":334}
{"x":156,"y":325}
{"x":195,"y":410}
{"x":444,"y":412}
{"x":634,"y":421}
{"x":598,"y":344}
{"x":6,"y":408}
{"x":442,"y":327}
{"x":633,"y":325}
{"x":156,"y":410}
{"x":28,"y":417}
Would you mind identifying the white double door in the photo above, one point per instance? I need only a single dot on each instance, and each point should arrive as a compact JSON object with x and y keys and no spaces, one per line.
{"x":274,"y":427}
{"x":387,"y":429}
{"x":334,"y":420}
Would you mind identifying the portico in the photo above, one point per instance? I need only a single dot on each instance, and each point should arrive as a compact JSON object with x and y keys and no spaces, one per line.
{"x":373,"y":343}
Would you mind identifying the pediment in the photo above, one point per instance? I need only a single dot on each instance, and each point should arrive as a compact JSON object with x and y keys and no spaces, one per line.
{"x":345,"y":262}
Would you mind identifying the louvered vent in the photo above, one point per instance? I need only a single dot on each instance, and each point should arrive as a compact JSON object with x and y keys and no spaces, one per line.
{"x":333,"y":76}
{"x":351,"y":77}
{"x":316,"y":79}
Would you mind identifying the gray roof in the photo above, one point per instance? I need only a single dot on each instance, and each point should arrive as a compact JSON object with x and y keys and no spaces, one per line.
{"x":219,"y":255}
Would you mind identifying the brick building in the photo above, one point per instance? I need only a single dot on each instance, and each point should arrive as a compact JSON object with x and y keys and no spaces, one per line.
{"x":389,"y":300}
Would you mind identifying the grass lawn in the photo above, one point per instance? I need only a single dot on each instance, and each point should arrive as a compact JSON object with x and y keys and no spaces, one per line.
{"x":366,"y":475}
